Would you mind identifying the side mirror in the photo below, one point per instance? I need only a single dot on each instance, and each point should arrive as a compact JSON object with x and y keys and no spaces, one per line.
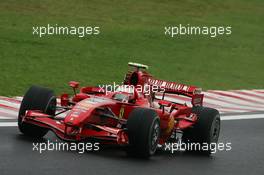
{"x":64,"y":100}
{"x":74,"y":85}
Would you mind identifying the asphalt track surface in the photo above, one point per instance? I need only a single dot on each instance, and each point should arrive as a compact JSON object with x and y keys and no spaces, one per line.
{"x":246,"y":156}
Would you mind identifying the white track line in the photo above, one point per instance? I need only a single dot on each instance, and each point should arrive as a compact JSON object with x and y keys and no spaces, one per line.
{"x":8,"y":118}
{"x":8,"y":124}
{"x":240,"y":117}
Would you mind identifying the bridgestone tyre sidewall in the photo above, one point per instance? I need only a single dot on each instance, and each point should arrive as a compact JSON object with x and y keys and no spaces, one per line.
{"x":140,"y":126}
{"x":36,"y":98}
{"x":202,"y":131}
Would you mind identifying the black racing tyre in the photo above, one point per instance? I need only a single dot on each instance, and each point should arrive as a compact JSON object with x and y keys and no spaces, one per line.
{"x":143,"y":126}
{"x":204,"y":132}
{"x":36,"y":98}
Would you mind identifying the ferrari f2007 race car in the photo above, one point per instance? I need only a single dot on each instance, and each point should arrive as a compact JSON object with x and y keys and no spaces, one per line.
{"x":126,"y":116}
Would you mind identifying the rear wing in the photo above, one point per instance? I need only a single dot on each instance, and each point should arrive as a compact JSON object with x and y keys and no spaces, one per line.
{"x":166,"y":87}
{"x":173,"y":87}
{"x":139,"y":76}
{"x":194,"y":100}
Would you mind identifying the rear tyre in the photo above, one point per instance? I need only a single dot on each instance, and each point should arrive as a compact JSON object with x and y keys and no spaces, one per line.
{"x":143,"y":132}
{"x":205,"y":131}
{"x":36,"y":98}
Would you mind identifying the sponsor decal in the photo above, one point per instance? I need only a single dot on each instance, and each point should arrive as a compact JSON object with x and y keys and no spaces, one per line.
{"x":169,"y":85}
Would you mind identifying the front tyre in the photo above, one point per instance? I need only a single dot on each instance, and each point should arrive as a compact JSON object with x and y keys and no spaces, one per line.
{"x":143,"y":131}
{"x":36,"y":98}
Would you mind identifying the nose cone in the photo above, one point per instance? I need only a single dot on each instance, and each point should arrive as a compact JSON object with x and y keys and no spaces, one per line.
{"x":75,"y":117}
{"x":82,"y":111}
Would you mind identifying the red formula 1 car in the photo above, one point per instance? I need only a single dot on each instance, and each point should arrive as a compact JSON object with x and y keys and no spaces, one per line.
{"x":140,"y":114}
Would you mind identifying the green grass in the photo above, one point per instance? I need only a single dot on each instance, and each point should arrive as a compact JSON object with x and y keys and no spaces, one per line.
{"x":131,"y":31}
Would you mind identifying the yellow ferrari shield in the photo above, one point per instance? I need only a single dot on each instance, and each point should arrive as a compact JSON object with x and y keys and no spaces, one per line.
{"x":121,"y":112}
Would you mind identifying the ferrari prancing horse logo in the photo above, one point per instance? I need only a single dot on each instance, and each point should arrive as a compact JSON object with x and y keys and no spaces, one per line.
{"x":121,"y":112}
